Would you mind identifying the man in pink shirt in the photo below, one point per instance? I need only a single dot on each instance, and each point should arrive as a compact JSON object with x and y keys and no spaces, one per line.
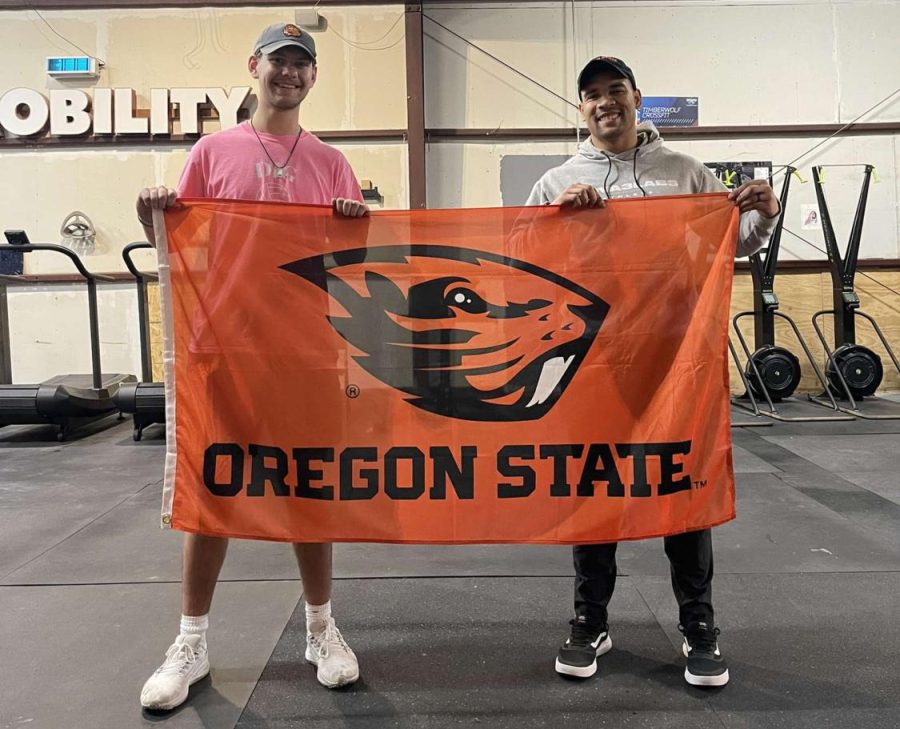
{"x":270,"y":157}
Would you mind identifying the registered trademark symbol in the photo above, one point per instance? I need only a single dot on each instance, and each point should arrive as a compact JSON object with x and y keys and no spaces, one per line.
{"x":352,"y":391}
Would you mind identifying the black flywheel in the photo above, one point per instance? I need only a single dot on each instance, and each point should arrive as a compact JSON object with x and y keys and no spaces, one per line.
{"x":779,"y":370}
{"x":861,"y":369}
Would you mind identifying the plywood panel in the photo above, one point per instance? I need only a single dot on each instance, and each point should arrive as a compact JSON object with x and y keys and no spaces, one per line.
{"x":884,"y":305}
{"x":156,"y":342}
{"x":802,"y":294}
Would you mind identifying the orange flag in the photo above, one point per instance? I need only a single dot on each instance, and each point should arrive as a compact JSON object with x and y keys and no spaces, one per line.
{"x":448,"y":376}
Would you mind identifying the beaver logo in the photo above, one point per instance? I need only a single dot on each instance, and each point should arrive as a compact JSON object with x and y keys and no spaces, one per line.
{"x":467,"y":334}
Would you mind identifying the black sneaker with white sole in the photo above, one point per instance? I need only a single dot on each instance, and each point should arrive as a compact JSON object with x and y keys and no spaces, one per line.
{"x":705,"y":664}
{"x":578,"y":655}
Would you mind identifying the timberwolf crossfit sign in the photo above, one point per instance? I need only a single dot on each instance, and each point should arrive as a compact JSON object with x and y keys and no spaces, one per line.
{"x":73,"y":113}
{"x":496,"y":375}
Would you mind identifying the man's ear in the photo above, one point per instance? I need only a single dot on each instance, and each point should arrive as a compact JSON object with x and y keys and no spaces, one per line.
{"x":637,"y":98}
{"x":252,"y":64}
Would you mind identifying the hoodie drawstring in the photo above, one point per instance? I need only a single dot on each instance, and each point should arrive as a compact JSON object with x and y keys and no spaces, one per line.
{"x":634,"y":171}
{"x":608,"y":173}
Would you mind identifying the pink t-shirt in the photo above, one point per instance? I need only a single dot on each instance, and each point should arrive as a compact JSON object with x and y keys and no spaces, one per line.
{"x":233,"y":165}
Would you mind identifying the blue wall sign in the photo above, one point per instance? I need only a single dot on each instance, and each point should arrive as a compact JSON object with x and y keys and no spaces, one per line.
{"x":670,"y":111}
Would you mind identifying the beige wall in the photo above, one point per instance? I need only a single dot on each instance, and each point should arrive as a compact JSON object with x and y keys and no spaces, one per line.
{"x":165,"y":48}
{"x":38,"y":188}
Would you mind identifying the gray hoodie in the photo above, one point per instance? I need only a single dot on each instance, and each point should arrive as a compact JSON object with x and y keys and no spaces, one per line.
{"x":648,"y":169}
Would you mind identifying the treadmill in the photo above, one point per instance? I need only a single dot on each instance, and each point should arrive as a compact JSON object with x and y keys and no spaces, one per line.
{"x":66,"y":401}
{"x":144,"y":400}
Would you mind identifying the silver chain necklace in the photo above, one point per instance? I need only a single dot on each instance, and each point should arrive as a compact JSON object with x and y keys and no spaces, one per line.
{"x":279,"y":169}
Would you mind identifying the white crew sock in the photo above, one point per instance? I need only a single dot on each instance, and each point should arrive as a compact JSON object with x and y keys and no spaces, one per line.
{"x":316,"y":615}
{"x":195,"y":625}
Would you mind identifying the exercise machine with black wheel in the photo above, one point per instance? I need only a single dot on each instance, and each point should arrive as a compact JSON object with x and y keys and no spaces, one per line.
{"x":66,"y":401}
{"x":854,"y":371}
{"x":144,"y":400}
{"x":732,"y":175}
{"x":772,"y":372}
{"x":740,"y":418}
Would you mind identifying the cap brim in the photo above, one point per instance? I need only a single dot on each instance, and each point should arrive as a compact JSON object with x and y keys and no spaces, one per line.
{"x":596,"y":66}
{"x":271,"y":47}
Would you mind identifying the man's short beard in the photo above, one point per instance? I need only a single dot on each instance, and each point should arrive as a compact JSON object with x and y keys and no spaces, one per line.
{"x":610,"y":134}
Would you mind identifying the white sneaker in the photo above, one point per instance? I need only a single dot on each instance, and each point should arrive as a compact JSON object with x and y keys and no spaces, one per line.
{"x":187,"y":661}
{"x":327,"y":650}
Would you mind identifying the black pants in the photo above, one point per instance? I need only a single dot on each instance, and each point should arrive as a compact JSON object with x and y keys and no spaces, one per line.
{"x":691,"y":559}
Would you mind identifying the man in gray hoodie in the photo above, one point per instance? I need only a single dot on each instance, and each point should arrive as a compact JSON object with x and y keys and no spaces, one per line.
{"x":625,"y":159}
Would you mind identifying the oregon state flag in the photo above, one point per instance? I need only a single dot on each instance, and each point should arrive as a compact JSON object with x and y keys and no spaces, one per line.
{"x":448,"y":376}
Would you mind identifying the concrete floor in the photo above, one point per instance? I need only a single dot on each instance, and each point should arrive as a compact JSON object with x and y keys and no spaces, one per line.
{"x":807,"y":593}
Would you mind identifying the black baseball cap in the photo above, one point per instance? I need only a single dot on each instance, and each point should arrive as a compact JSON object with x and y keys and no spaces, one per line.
{"x":604,"y":63}
{"x":284,"y":34}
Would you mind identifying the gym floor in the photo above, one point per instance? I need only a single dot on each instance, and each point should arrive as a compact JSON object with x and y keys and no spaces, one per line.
{"x":807,"y":592}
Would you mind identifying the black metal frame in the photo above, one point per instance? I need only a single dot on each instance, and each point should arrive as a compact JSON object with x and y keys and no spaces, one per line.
{"x":762,"y":270}
{"x":64,"y":401}
{"x":754,"y":408}
{"x":141,"y":278}
{"x":844,"y":297}
{"x":5,"y":354}
{"x":763,"y":267}
{"x":144,"y":400}
{"x":773,"y":411}
{"x":843,"y":268}
{"x":91,"y":281}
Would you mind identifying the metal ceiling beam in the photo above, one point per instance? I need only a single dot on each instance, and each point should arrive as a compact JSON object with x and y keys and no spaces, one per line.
{"x":568,"y":134}
{"x":534,"y":134}
{"x":415,"y":106}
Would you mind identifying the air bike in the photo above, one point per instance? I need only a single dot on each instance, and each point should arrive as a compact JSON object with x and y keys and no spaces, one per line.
{"x":65,"y":400}
{"x":144,"y":400}
{"x":854,"y":371}
{"x":772,"y":373}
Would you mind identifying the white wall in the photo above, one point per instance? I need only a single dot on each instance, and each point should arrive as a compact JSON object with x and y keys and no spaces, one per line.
{"x":468,"y":175}
{"x":750,"y":63}
{"x":49,"y":332}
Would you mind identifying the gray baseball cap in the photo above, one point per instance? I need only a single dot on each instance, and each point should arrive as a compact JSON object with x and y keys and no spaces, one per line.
{"x":284,"y":34}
